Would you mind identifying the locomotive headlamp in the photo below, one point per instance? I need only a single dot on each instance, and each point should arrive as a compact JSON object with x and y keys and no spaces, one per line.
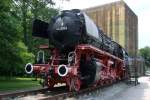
{"x":29,"y":68}
{"x":62,"y":70}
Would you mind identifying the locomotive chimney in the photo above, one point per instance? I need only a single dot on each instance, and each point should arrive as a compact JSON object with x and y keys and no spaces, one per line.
{"x":62,"y":70}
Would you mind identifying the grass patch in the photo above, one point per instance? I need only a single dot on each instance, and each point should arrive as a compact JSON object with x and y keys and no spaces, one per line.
{"x":11,"y":84}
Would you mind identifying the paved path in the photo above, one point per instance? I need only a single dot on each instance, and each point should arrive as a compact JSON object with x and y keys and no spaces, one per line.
{"x":139,"y":92}
{"x":121,"y":91}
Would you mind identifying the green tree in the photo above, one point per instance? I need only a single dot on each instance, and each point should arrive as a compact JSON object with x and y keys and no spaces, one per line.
{"x":16,"y":40}
{"x":13,"y":53}
{"x":39,"y":10}
{"x":145,"y":53}
{"x":30,"y":10}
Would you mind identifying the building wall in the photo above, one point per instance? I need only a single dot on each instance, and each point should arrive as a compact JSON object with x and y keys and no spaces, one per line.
{"x":131,"y":30}
{"x":119,"y":22}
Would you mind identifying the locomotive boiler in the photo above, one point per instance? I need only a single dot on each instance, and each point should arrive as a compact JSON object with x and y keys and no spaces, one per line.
{"x":82,"y":55}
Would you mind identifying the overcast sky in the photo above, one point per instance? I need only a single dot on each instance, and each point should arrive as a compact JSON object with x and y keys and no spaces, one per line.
{"x":140,"y":7}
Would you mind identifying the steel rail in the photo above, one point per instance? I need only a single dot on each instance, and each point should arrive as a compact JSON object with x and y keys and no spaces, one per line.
{"x":21,"y":93}
{"x":62,"y":96}
{"x":58,"y":94}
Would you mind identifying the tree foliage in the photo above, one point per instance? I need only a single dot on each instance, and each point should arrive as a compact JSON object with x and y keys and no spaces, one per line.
{"x":145,"y":53}
{"x":13,"y":52}
{"x":17,"y":46}
{"x":30,"y":10}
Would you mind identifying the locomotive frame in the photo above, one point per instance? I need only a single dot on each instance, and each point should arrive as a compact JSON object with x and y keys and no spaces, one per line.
{"x":111,"y":72}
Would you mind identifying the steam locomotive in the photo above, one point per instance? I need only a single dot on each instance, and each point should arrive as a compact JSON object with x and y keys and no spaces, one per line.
{"x":81,"y":56}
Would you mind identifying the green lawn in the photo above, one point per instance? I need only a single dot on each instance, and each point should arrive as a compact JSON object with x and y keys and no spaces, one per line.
{"x":17,"y":84}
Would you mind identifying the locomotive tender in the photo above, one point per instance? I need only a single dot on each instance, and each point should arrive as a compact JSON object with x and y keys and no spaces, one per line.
{"x":82,"y":55}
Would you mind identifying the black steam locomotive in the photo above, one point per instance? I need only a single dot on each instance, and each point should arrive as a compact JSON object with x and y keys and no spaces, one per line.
{"x":72,"y":27}
{"x":81,"y":55}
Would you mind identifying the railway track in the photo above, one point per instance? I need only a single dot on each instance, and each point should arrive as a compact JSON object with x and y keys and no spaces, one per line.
{"x":59,"y":93}
{"x":43,"y":94}
{"x":62,"y":96}
{"x":21,"y":93}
